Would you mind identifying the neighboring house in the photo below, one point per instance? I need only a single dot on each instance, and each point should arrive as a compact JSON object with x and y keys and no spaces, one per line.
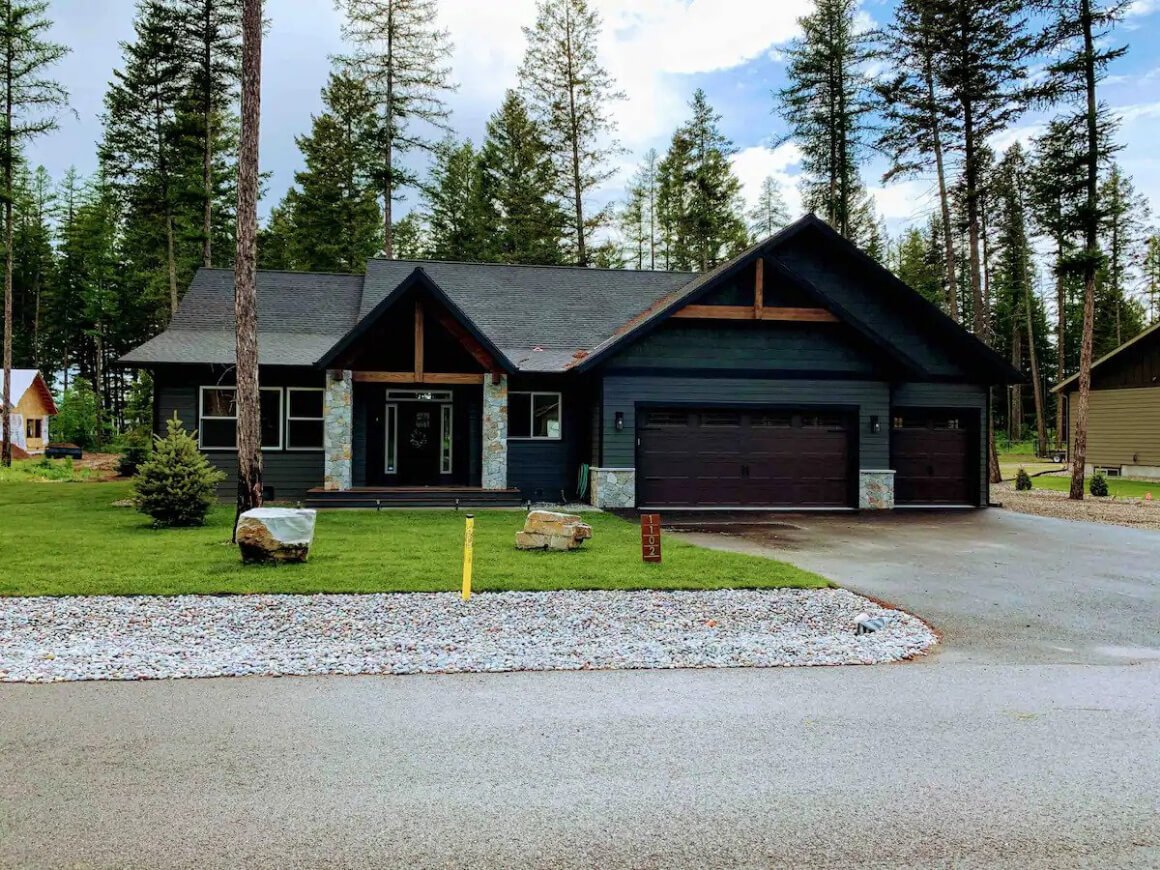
{"x":1124,"y":412}
{"x":799,"y":374}
{"x":32,"y":406}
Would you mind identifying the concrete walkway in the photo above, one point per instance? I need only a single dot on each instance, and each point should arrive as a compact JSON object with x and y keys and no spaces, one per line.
{"x":996,"y":752}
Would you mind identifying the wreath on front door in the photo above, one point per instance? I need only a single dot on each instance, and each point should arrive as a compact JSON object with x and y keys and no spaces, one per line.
{"x":418,"y":438}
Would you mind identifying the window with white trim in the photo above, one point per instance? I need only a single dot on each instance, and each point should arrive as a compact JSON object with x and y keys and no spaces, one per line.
{"x":218,"y":418}
{"x":446,"y":426}
{"x":304,"y":418}
{"x":535,"y":416}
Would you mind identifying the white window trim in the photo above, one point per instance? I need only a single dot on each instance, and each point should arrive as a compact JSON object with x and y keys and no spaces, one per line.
{"x":391,"y":439}
{"x":447,"y":437}
{"x":531,"y":394}
{"x":200,"y":416}
{"x":286,"y":438}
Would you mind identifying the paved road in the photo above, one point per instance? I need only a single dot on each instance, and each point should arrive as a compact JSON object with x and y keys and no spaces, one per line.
{"x":1017,"y":757}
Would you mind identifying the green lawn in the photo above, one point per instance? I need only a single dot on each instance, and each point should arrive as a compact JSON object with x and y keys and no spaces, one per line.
{"x":1010,"y":463}
{"x":1116,"y":486}
{"x":45,"y":471}
{"x":68,"y":539}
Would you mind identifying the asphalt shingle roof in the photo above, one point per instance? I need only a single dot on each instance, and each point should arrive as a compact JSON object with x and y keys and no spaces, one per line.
{"x":542,"y":318}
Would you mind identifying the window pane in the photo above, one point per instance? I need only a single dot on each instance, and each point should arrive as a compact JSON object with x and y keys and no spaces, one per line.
{"x":304,"y":433}
{"x":218,"y":403}
{"x":721,"y":418}
{"x":305,"y":403}
{"x":519,"y":415}
{"x":546,"y":415}
{"x":219,"y":434}
{"x":446,"y":439}
{"x":392,"y":434}
{"x":271,"y":402}
{"x":771,"y":421}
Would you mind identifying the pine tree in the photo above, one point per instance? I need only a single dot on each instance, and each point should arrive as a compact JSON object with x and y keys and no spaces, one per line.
{"x":245,"y":267}
{"x":633,"y":226}
{"x":30,"y":104}
{"x":982,"y":55}
{"x":571,"y":95}
{"x":276,"y":238}
{"x":1125,"y":219}
{"x":519,"y":186}
{"x":1150,"y":276}
{"x":770,"y":213}
{"x":177,"y":485}
{"x":708,"y":226}
{"x":1076,"y":38}
{"x":916,"y":125}
{"x":673,"y":202}
{"x":825,"y":105}
{"x":141,"y":149}
{"x":333,"y":211}
{"x":458,"y":214}
{"x":402,"y":57}
{"x":411,"y":242}
{"x":210,"y":46}
{"x":916,"y":267}
{"x":34,"y":264}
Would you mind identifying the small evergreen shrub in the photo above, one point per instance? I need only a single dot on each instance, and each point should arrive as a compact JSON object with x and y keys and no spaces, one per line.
{"x":176,"y":485}
{"x":1098,"y":486}
{"x":1022,"y":480}
{"x":135,"y":451}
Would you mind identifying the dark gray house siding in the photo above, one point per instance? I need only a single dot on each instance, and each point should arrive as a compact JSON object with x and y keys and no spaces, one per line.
{"x":547,"y":470}
{"x":290,"y":473}
{"x":940,"y":395}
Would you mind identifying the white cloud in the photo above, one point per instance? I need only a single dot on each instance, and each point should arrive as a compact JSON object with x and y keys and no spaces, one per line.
{"x":1142,"y":7}
{"x":1138,"y":111}
{"x":753,"y":165}
{"x":647,"y":45}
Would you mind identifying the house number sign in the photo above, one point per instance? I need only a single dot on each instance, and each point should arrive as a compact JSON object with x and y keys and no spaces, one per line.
{"x":650,"y":537}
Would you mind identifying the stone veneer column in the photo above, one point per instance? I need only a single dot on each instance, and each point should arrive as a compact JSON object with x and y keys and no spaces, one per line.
{"x":495,"y":432}
{"x":876,"y":490}
{"x":612,"y":487}
{"x":337,"y":429}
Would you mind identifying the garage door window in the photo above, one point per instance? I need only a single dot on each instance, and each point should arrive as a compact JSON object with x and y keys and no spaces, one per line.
{"x":721,"y":418}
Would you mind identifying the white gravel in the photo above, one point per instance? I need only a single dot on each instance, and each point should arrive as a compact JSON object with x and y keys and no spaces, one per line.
{"x":137,"y":638}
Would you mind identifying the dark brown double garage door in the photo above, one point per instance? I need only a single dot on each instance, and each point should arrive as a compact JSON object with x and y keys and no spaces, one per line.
{"x":712,"y":457}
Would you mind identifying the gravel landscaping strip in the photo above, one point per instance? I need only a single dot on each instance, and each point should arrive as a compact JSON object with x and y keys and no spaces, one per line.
{"x":137,"y":638}
{"x":1117,"y":511}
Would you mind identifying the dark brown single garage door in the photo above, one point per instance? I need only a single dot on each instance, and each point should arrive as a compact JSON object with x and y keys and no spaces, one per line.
{"x":934,"y":456}
{"x":707,"y":457}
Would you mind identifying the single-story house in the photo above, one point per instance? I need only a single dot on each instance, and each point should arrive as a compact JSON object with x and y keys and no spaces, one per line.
{"x":800,"y":374}
{"x":32,"y":406}
{"x":1124,"y":412}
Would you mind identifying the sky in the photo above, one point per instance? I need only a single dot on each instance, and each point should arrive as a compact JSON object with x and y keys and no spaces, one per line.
{"x":659,"y":51}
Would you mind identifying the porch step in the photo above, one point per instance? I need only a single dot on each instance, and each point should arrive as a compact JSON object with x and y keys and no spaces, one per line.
{"x":416,"y":497}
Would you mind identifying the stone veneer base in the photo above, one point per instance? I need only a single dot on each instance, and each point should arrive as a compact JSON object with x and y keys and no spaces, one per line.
{"x":495,"y":433}
{"x":876,"y":489}
{"x":613,"y":487}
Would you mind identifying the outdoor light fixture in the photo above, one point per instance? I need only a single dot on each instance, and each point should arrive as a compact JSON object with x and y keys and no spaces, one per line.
{"x":874,"y":427}
{"x":619,"y":421}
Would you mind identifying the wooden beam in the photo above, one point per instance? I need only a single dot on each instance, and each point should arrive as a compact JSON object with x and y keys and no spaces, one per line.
{"x":715,"y":312}
{"x":418,"y":339}
{"x":741,"y":312}
{"x":802,"y":315}
{"x":759,"y":288}
{"x":415,"y":378}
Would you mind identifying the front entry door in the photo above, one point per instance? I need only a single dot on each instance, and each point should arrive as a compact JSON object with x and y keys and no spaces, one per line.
{"x":418,"y":444}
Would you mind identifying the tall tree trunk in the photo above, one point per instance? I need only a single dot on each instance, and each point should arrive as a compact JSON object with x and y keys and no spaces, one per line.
{"x":1060,"y":337}
{"x":951,"y":290}
{"x":1091,"y":241}
{"x":9,"y":157}
{"x":171,"y":260}
{"x":207,"y":153}
{"x":574,"y":124}
{"x":979,"y":317}
{"x":245,"y":269}
{"x":1015,"y":412}
{"x":389,"y":179}
{"x":1036,"y":384}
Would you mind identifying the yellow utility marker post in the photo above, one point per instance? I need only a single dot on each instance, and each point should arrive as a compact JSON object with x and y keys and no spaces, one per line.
{"x":468,"y":551}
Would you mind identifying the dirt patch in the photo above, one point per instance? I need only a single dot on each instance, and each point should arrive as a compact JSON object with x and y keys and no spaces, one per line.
{"x":104,"y":464}
{"x":1113,"y":510}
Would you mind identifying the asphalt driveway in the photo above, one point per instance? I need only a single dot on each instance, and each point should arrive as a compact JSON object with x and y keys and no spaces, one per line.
{"x":1031,"y":740}
{"x":1000,"y":586}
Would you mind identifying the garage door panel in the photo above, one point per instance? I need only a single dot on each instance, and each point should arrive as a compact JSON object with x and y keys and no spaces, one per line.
{"x":721,"y":458}
{"x":933,"y":455}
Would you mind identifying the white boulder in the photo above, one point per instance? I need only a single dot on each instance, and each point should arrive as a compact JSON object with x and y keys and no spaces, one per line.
{"x":276,"y":534}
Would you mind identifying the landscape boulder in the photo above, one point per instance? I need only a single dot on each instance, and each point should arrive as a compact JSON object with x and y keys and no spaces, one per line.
{"x":276,"y":534}
{"x":548,"y":530}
